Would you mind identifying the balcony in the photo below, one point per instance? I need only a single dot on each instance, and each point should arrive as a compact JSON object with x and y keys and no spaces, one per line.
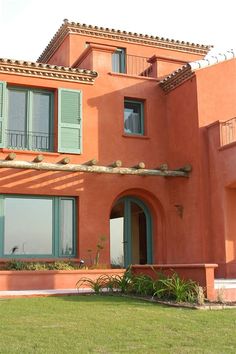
{"x":228,"y":131}
{"x":133,"y":65}
{"x":21,"y":140}
{"x":140,"y":66}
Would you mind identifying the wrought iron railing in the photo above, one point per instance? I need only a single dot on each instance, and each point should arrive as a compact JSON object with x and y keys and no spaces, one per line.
{"x":16,"y":139}
{"x":139,"y":66}
{"x":228,"y":131}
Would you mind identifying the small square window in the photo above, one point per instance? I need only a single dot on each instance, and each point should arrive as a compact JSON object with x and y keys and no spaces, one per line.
{"x":133,"y":117}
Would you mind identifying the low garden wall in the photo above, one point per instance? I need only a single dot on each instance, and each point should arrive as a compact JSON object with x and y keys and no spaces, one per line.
{"x":201,"y":273}
{"x":49,"y":279}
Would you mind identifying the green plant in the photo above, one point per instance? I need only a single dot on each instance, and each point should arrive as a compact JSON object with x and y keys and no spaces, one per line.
{"x":99,"y":247}
{"x":142,"y":285}
{"x":15,"y":264}
{"x":97,"y":285}
{"x":221,"y":295}
{"x":122,"y":283}
{"x":200,"y":295}
{"x":62,"y":265}
{"x":36,"y":266}
{"x":94,"y":262}
{"x":174,"y":288}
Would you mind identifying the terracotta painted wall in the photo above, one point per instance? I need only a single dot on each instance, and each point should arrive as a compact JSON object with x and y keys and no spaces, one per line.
{"x":223,"y":201}
{"x":62,"y":55}
{"x":216,"y":86}
{"x":187,"y":213}
{"x":216,"y":101}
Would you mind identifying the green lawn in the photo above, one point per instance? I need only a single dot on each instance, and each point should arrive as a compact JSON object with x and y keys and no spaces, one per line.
{"x":104,"y":324}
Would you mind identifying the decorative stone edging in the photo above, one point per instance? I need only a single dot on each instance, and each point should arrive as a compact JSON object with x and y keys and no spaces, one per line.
{"x":206,"y":306}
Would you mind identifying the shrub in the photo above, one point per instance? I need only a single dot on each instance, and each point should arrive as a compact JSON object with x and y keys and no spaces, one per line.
{"x":143,"y":285}
{"x":96,"y":285}
{"x":175,"y":288}
{"x":164,"y":288}
{"x":200,"y":295}
{"x":15,"y":264}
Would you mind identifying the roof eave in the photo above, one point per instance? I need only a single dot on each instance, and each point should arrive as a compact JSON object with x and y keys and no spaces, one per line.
{"x":82,"y":29}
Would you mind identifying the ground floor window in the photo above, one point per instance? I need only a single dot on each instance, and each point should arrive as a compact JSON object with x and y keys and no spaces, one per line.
{"x":32,"y":226}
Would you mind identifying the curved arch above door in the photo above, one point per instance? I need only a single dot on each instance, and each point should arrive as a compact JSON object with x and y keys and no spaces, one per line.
{"x":130,"y":233}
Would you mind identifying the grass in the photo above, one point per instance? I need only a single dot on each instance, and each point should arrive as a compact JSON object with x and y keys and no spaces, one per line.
{"x":111,"y":324}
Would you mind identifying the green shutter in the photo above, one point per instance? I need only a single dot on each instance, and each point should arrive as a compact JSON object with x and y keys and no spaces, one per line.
{"x":69,"y":121}
{"x":2,"y":111}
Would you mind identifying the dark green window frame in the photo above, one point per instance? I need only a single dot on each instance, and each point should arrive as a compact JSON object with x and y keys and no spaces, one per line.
{"x":28,"y":139}
{"x":119,"y":61}
{"x":138,"y":108}
{"x":56,"y":230}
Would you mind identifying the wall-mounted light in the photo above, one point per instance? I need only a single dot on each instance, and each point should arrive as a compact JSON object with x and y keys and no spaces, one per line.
{"x":180,"y":210}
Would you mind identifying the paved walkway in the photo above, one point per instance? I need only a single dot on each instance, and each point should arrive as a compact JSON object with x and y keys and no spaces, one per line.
{"x":46,"y":292}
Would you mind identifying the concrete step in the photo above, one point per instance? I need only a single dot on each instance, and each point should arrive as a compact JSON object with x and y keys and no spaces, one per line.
{"x":225,"y":283}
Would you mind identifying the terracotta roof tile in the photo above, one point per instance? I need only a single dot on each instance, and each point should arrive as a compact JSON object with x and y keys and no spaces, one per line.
{"x":144,"y":39}
{"x":42,"y":70}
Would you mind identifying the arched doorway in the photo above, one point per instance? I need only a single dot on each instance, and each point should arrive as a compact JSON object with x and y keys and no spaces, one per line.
{"x":130,"y":233}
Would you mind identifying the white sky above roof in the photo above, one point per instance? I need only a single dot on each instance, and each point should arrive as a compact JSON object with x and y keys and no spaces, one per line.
{"x":27,"y":26}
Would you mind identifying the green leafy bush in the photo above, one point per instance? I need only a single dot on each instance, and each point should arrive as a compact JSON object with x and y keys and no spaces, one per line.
{"x":15,"y":264}
{"x":96,"y":285}
{"x":164,"y":287}
{"x":143,"y":285}
{"x":174,"y":288}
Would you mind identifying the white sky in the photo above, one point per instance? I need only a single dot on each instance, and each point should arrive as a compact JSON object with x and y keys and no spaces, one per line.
{"x":27,"y":26}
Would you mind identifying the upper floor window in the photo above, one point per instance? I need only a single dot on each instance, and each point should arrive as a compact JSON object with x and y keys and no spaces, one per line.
{"x":133,"y":117}
{"x":27,"y":119}
{"x":118,"y":61}
{"x":30,"y":117}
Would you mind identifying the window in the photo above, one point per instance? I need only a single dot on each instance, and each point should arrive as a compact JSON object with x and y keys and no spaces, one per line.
{"x":133,"y":117}
{"x":29,"y":123}
{"x":26,"y":119}
{"x":37,"y":226}
{"x":118,"y":61}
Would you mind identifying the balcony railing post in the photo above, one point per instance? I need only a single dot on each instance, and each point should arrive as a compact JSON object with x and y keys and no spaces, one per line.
{"x":228,"y":131}
{"x":141,"y":66}
{"x":153,"y":62}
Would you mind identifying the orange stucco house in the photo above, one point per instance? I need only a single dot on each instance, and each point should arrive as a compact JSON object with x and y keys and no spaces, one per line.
{"x":123,"y":136}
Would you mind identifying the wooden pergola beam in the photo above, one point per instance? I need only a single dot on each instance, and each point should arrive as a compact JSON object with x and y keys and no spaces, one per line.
{"x":91,"y":168}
